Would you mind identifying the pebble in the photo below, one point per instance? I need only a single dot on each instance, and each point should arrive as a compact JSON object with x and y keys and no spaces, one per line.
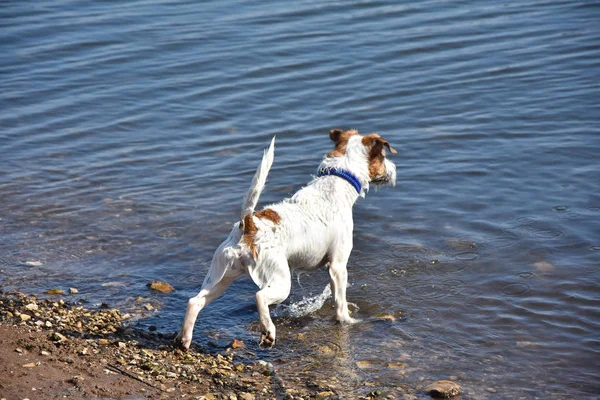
{"x":25,"y":317}
{"x":55,"y":291}
{"x":386,"y":317}
{"x":236,"y":344}
{"x":32,"y":307}
{"x":73,"y":290}
{"x":324,"y":395}
{"x":443,"y":389}
{"x":57,"y":337}
{"x":35,"y":263}
{"x":161,"y":286}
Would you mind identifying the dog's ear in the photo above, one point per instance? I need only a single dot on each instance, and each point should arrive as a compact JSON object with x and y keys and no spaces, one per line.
{"x":376,"y":143}
{"x":340,"y":138}
{"x":336,"y":134}
{"x":385,"y":143}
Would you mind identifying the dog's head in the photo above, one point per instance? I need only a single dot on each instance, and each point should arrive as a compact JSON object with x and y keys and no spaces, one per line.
{"x":364,"y":155}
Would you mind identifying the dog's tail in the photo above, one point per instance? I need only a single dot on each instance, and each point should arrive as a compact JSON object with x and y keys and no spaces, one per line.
{"x":259,"y":180}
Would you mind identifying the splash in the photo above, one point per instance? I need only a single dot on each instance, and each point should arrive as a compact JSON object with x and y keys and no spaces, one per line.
{"x":306,"y":306}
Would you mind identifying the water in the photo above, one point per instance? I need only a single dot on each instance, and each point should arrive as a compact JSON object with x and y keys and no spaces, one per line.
{"x":130,"y":132}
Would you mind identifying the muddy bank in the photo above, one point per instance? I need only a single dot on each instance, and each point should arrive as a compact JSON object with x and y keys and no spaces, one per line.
{"x":52,"y":349}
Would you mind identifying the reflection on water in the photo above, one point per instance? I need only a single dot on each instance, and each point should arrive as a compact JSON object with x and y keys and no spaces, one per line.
{"x":130,"y":132}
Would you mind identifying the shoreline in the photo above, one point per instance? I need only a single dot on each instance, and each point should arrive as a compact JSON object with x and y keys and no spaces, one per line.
{"x":55,"y":349}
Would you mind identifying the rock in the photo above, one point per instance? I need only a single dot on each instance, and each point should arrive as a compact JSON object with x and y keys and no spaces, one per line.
{"x":246,"y":396}
{"x":35,"y":263}
{"x":122,"y":345}
{"x":73,"y":290}
{"x":30,"y":365}
{"x":55,"y":291}
{"x":45,"y":353}
{"x":324,"y":395}
{"x":364,"y":364}
{"x":386,"y":317}
{"x":103,"y":342}
{"x":24,"y":317}
{"x":57,"y":337}
{"x":32,"y":307}
{"x":236,"y":344}
{"x":160,"y":286}
{"x":443,"y":389}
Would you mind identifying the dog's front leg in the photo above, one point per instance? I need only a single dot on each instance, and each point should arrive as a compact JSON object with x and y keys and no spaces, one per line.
{"x":339,"y":281}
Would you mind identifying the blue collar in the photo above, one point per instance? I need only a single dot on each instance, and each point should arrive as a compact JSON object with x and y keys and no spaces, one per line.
{"x":349,"y":177}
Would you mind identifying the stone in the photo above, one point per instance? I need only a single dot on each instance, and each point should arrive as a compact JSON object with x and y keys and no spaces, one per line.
{"x":236,"y":344}
{"x":443,"y":389}
{"x":24,"y":317}
{"x":57,"y":337}
{"x":73,"y":290}
{"x":386,"y":317}
{"x":324,"y":395}
{"x":160,"y":286}
{"x":35,"y":263}
{"x":32,"y":307}
{"x":55,"y":291}
{"x":148,"y":306}
{"x":246,"y":396}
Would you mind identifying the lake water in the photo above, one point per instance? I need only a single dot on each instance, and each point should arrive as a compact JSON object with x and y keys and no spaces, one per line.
{"x":130,"y":131}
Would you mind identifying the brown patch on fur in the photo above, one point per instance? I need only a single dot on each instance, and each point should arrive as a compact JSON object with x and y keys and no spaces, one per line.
{"x":250,"y":229}
{"x":269,"y":214}
{"x":340,"y":138}
{"x":375,"y":144}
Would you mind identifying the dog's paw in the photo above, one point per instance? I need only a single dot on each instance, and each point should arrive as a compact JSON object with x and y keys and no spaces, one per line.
{"x":267,"y":340}
{"x":349,"y":320}
{"x":182,"y":344}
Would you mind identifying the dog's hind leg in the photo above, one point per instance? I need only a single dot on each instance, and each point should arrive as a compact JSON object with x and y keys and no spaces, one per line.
{"x":276,"y":290}
{"x":195,"y":305}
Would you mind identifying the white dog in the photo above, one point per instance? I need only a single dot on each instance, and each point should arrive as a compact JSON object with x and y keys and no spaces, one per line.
{"x":311,"y":229}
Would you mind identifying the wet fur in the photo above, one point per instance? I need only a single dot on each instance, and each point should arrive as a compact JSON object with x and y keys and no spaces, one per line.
{"x":311,"y":229}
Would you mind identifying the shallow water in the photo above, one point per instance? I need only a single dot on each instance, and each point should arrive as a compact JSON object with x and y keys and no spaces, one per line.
{"x":130,"y":132}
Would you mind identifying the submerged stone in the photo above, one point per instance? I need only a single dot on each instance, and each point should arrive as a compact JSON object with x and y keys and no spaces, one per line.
{"x":443,"y":389}
{"x":160,"y":286}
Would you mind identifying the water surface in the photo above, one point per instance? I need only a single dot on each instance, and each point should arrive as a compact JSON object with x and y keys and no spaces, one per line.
{"x":130,"y":131}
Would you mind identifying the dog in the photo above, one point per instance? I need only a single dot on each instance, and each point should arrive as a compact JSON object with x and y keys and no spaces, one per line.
{"x":311,"y":229}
